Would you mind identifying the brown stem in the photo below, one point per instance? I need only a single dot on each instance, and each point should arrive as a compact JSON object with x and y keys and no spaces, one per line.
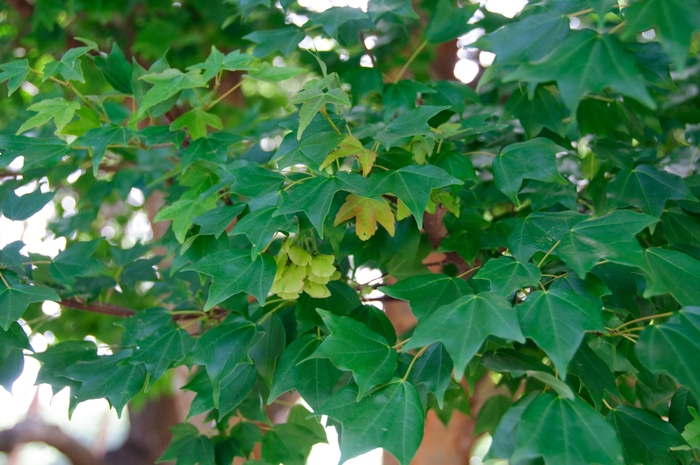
{"x":434,"y":227}
{"x":115,"y":310}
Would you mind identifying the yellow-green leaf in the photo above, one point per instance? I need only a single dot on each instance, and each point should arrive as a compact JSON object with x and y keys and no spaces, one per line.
{"x":367,"y":213}
{"x":351,"y":146}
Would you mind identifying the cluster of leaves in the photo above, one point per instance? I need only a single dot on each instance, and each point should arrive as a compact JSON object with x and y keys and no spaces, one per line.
{"x":567,"y":188}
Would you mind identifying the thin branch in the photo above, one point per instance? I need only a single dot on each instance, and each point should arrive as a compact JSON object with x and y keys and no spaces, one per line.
{"x":369,"y":53}
{"x":410,"y":60}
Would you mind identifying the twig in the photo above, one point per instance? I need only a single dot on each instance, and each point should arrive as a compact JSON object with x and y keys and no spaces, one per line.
{"x":410,"y":60}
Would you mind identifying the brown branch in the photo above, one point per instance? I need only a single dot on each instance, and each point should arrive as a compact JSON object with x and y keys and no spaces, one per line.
{"x":434,"y":227}
{"x":369,"y":52}
{"x":105,"y":309}
{"x":24,"y":8}
{"x":34,"y":430}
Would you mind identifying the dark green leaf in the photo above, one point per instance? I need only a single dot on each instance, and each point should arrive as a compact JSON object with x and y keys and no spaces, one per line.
{"x":432,"y":371}
{"x":37,"y":153}
{"x":464,"y":325}
{"x":670,"y":272}
{"x":428,"y":292}
{"x":234,"y":271}
{"x":18,"y":208}
{"x":576,"y":65}
{"x":609,"y":237}
{"x":512,"y":361}
{"x":217,"y":62}
{"x":217,"y":220}
{"x":15,"y":73}
{"x":261,"y":226}
{"x":254,"y":181}
{"x":188,"y":447}
{"x":678,"y":414}
{"x":354,"y":347}
{"x":583,"y":436}
{"x":506,"y":275}
{"x":98,"y":139}
{"x":533,"y":159}
{"x":664,"y":348}
{"x":291,"y":442}
{"x":76,"y":261}
{"x":594,"y":374}
{"x":116,"y":69}
{"x":542,"y":110}
{"x":647,"y":188}
{"x":539,"y":232}
{"x":367,"y":424}
{"x":411,"y":123}
{"x":556,"y":320}
{"x":213,"y":149}
{"x":491,"y":413}
{"x":13,"y":341}
{"x":283,"y":40}
{"x":447,"y":23}
{"x":645,"y":437}
{"x":313,"y":378}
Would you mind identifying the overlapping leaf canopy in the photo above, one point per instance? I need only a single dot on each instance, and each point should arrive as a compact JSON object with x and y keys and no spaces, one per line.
{"x":544,"y":228}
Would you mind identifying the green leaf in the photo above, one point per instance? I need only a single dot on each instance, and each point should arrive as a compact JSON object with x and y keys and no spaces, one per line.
{"x":290,"y":443}
{"x":645,"y":437}
{"x":367,"y":213}
{"x":266,"y":353}
{"x":15,"y":73}
{"x":182,"y":212}
{"x":432,"y":372}
{"x":217,"y":62}
{"x":412,"y":184}
{"x":682,"y":230}
{"x":332,"y":18}
{"x":217,"y":220}
{"x":352,"y":346}
{"x":18,"y":208}
{"x":491,"y":413}
{"x":15,"y":299}
{"x":275,"y":73}
{"x":428,"y":292}
{"x":76,"y":261}
{"x":313,"y":150}
{"x":161,"y":350}
{"x":539,"y":232}
{"x":412,"y":123}
{"x":670,"y":272}
{"x":463,"y":326}
{"x":166,"y":84}
{"x":69,"y":65}
{"x":664,"y":347}
{"x":647,"y":188}
{"x":58,"y":109}
{"x":452,"y":93}
{"x":57,"y":358}
{"x":367,"y":423}
{"x":312,"y":100}
{"x":213,"y":148}
{"x":529,"y":39}
{"x":222,"y":349}
{"x":447,"y":23}
{"x":559,"y":386}
{"x":576,"y":66}
{"x":582,"y":435}
{"x":512,"y":361}
{"x":188,"y":447}
{"x":506,"y":275}
{"x":504,"y":437}
{"x":98,"y":139}
{"x":116,"y":69}
{"x":533,"y":159}
{"x":261,"y":226}
{"x":609,"y":237}
{"x":674,"y":21}
{"x":108,"y":377}
{"x":283,"y":40}
{"x":678,"y":413}
{"x":37,"y":153}
{"x":314,"y":197}
{"x":13,"y":341}
{"x":542,"y":110}
{"x":313,"y":378}
{"x":254,"y":181}
{"x":556,"y":321}
{"x":234,"y":271}
{"x":235,"y":385}
{"x":197,"y":120}
{"x":594,"y":374}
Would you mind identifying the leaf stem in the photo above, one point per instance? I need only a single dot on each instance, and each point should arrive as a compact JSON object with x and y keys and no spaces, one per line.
{"x":410,"y":60}
{"x":612,"y":31}
{"x":199,"y":97}
{"x":4,"y":281}
{"x":582,"y":12}
{"x":417,"y":356}
{"x":481,"y":152}
{"x":330,"y":121}
{"x":268,"y":314}
{"x":225,"y":94}
{"x":556,"y":244}
{"x":468,"y":271}
{"x":644,"y":318}
{"x":400,"y":343}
